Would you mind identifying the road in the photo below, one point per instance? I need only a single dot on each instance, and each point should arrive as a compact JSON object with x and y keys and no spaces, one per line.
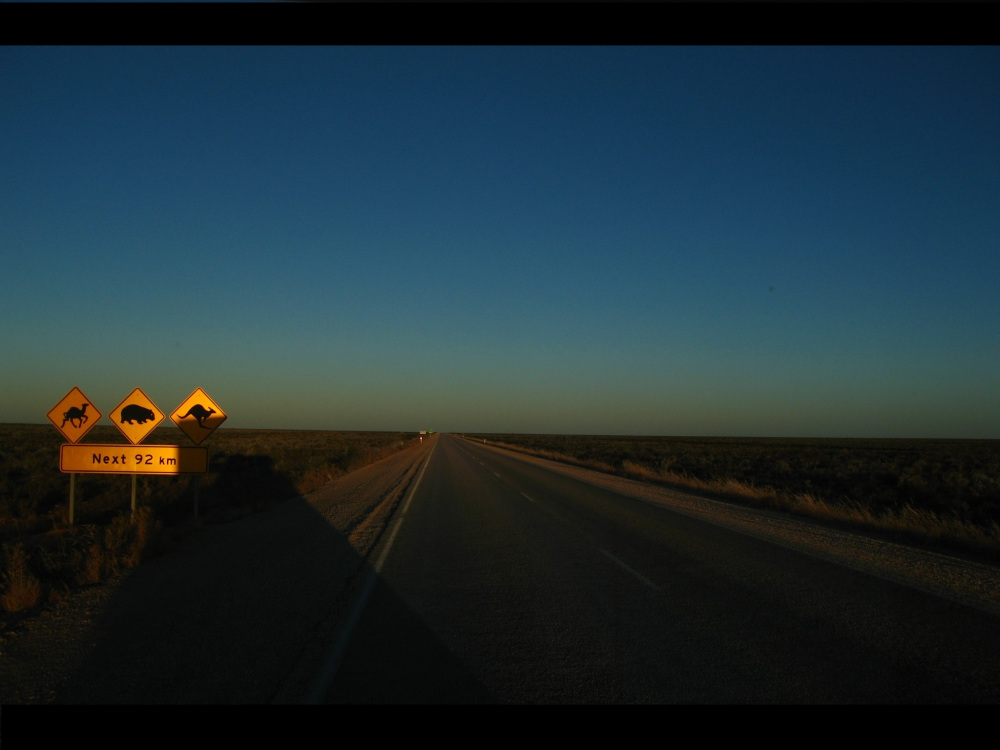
{"x":455,"y":572}
{"x":502,"y":581}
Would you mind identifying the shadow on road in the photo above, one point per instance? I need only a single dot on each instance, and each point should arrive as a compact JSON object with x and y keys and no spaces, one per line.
{"x":249,"y":612}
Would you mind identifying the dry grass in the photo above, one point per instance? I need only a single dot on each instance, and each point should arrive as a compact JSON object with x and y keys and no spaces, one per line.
{"x":39,"y":570}
{"x":905,"y":522}
{"x":21,"y":589}
{"x":94,"y":568}
{"x":127,"y":542}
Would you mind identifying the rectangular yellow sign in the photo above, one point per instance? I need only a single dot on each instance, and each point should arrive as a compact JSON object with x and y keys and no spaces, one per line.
{"x":132,"y":459}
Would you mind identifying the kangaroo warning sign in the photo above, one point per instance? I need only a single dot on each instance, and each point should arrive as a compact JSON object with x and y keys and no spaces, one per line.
{"x":74,"y":415}
{"x":198,"y":416}
{"x":136,"y":416}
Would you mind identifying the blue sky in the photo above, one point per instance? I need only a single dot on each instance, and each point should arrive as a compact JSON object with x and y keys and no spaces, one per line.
{"x":677,"y":241}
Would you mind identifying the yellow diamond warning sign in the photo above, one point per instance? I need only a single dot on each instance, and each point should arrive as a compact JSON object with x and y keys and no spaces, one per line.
{"x":136,"y":416}
{"x":74,"y":415}
{"x":198,"y":416}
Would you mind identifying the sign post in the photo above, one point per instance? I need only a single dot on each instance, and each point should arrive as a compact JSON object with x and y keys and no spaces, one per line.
{"x":136,"y":411}
{"x":71,"y":417}
{"x":198,"y":416}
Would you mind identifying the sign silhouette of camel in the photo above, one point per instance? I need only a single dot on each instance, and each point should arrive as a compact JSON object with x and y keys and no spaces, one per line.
{"x":75,"y":416}
{"x":200,"y":413}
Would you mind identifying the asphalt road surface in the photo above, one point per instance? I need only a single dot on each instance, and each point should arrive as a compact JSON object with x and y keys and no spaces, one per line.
{"x":501,"y":581}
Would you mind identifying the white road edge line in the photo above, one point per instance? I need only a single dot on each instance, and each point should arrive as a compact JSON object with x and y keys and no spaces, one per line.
{"x":641,"y":577}
{"x":319,"y":689}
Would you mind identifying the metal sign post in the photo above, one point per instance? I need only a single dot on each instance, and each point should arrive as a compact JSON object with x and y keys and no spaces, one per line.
{"x":70,"y":417}
{"x":198,"y":416}
{"x":131,"y":417}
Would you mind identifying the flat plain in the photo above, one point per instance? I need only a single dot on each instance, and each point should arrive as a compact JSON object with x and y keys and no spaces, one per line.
{"x":941,"y":492}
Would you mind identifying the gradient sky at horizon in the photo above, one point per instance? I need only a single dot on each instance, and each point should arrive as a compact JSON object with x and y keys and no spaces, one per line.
{"x":745,"y":241}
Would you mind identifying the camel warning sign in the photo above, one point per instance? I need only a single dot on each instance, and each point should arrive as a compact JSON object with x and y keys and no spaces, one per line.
{"x":136,"y":416}
{"x":198,"y":416}
{"x":74,"y":415}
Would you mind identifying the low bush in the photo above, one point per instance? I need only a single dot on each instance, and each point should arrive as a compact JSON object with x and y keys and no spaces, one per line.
{"x":20,"y":586}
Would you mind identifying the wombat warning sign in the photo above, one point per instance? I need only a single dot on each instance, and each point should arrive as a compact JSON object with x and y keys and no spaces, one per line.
{"x":136,"y":416}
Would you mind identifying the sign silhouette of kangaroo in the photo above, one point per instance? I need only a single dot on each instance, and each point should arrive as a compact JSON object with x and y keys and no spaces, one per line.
{"x":200,"y":413}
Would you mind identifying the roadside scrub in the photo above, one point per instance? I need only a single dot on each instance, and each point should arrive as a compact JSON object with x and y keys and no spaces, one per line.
{"x":43,"y":557}
{"x":939,"y":493}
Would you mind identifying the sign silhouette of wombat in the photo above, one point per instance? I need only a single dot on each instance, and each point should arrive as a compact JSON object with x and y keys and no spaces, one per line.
{"x":75,"y":415}
{"x":139,"y":413}
{"x":200,"y":413}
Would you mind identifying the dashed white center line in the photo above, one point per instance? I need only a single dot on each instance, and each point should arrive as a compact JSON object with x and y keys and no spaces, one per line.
{"x":625,"y":567}
{"x":528,"y":497}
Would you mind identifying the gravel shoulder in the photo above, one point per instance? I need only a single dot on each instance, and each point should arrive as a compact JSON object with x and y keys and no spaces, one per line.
{"x":970,"y":582}
{"x":228,"y":616}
